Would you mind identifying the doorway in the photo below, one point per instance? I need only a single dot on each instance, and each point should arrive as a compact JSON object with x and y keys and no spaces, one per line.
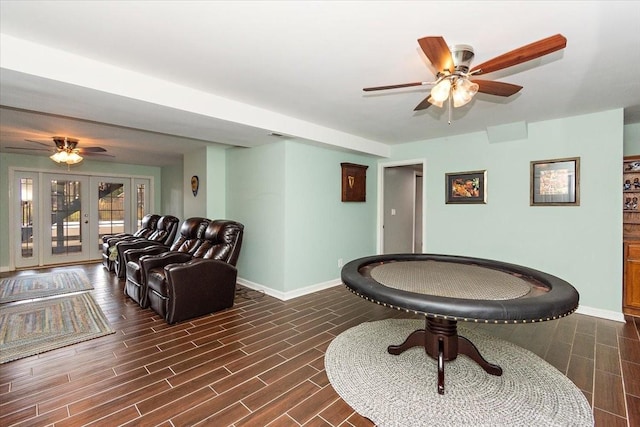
{"x":400,"y":207}
{"x":61,"y":218}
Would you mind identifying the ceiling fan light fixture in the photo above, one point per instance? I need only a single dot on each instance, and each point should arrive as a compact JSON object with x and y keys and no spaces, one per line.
{"x":463,"y":92}
{"x":59,"y":156}
{"x":68,"y":157}
{"x":73,"y":158}
{"x":440,"y":92}
{"x":438,"y":104}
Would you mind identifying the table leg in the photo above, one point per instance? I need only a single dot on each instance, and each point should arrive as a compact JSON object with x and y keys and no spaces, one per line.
{"x":467,"y":348}
{"x":441,"y":341}
{"x":415,"y":339}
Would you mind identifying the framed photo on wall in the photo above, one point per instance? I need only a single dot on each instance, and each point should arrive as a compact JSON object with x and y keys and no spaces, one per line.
{"x":466,"y":187}
{"x":555,"y":182}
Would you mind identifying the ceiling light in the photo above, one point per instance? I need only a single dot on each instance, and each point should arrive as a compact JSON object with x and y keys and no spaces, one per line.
{"x":463,"y":91}
{"x":67,"y":152}
{"x":440,"y":92}
{"x":455,"y":88}
{"x":438,"y":104}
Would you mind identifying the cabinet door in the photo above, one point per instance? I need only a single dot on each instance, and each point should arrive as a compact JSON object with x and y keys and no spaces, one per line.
{"x":632,"y":279}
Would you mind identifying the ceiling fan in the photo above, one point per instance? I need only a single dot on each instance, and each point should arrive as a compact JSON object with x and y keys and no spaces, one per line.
{"x":454,"y":78}
{"x":66,"y":150}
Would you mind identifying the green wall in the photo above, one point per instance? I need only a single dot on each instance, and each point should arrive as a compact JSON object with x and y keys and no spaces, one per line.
{"x":320,"y":228}
{"x":216,"y":183}
{"x":288,"y":197}
{"x":632,"y":140}
{"x":582,"y":244}
{"x":43,"y":163}
{"x":172,"y":194}
{"x":255,"y":197}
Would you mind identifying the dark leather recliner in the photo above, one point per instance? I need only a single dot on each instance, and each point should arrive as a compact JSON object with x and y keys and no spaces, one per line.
{"x":182,"y":286}
{"x":189,"y":239}
{"x":164,"y":234}
{"x":147,"y":226}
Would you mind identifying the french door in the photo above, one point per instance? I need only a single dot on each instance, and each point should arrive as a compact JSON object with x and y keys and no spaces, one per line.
{"x":66,"y":226}
{"x":62,"y":217}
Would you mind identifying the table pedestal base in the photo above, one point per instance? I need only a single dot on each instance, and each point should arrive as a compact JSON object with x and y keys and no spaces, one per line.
{"x":441,"y":341}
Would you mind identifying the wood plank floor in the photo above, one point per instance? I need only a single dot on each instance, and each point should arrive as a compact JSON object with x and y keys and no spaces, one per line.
{"x":262,"y":363}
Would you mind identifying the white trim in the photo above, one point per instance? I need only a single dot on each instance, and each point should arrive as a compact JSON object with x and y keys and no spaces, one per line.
{"x":603,"y":314}
{"x":380,"y":214}
{"x":285,"y":296}
{"x":59,"y":170}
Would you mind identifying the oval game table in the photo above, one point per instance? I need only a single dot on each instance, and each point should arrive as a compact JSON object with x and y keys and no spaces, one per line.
{"x":447,"y":289}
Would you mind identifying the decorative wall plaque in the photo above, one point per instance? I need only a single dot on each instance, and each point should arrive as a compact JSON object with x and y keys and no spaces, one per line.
{"x":195,"y":185}
{"x":354,"y":182}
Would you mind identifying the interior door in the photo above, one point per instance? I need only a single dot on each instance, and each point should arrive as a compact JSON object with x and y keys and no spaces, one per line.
{"x":65,"y":218}
{"x":399,"y":209}
{"x":401,"y":218}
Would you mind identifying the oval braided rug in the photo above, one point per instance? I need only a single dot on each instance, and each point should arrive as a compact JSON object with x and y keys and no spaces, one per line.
{"x":402,"y":390}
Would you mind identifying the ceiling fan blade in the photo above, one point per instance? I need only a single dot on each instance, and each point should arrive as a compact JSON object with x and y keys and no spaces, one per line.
{"x":92,"y":149}
{"x":369,"y":89}
{"x":424,"y":104}
{"x":29,"y":149}
{"x":522,"y":54}
{"x":38,"y":142}
{"x":93,"y":153}
{"x":438,"y":53}
{"x":497,"y":88}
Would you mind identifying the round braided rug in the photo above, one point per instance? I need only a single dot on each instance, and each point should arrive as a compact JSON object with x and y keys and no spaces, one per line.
{"x":402,"y":390}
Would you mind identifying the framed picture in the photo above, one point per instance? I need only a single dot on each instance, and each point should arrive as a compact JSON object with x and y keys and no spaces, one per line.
{"x":354,"y":182}
{"x":555,"y":182}
{"x":466,"y":187}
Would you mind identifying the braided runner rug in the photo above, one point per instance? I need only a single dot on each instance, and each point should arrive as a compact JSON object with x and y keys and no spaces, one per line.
{"x":402,"y":390}
{"x":41,"y":285}
{"x":31,"y":328}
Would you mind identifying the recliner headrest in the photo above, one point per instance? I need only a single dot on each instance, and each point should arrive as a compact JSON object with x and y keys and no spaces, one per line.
{"x":191,"y":226}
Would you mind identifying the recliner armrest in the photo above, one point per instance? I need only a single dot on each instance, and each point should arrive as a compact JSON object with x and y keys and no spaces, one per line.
{"x":198,"y":287}
{"x":137,"y":243}
{"x":135,"y":254}
{"x":148,"y":262}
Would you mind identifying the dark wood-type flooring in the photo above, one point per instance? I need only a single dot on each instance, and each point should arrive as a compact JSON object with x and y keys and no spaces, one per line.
{"x":262,"y":363}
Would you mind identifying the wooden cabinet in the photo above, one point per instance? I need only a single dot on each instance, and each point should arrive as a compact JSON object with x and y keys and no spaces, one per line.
{"x":631,"y":289}
{"x":631,"y":234}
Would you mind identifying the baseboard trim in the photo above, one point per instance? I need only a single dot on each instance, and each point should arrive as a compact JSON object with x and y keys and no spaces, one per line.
{"x":285,"y":296}
{"x":603,"y":314}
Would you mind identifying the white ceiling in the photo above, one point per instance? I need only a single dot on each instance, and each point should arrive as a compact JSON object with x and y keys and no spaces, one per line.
{"x":151,"y":80}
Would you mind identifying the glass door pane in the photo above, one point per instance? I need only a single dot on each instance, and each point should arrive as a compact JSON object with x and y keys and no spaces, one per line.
{"x":143,"y":192}
{"x":111,"y":209}
{"x":25,"y":216}
{"x":68,"y":223}
{"x":66,"y":216}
